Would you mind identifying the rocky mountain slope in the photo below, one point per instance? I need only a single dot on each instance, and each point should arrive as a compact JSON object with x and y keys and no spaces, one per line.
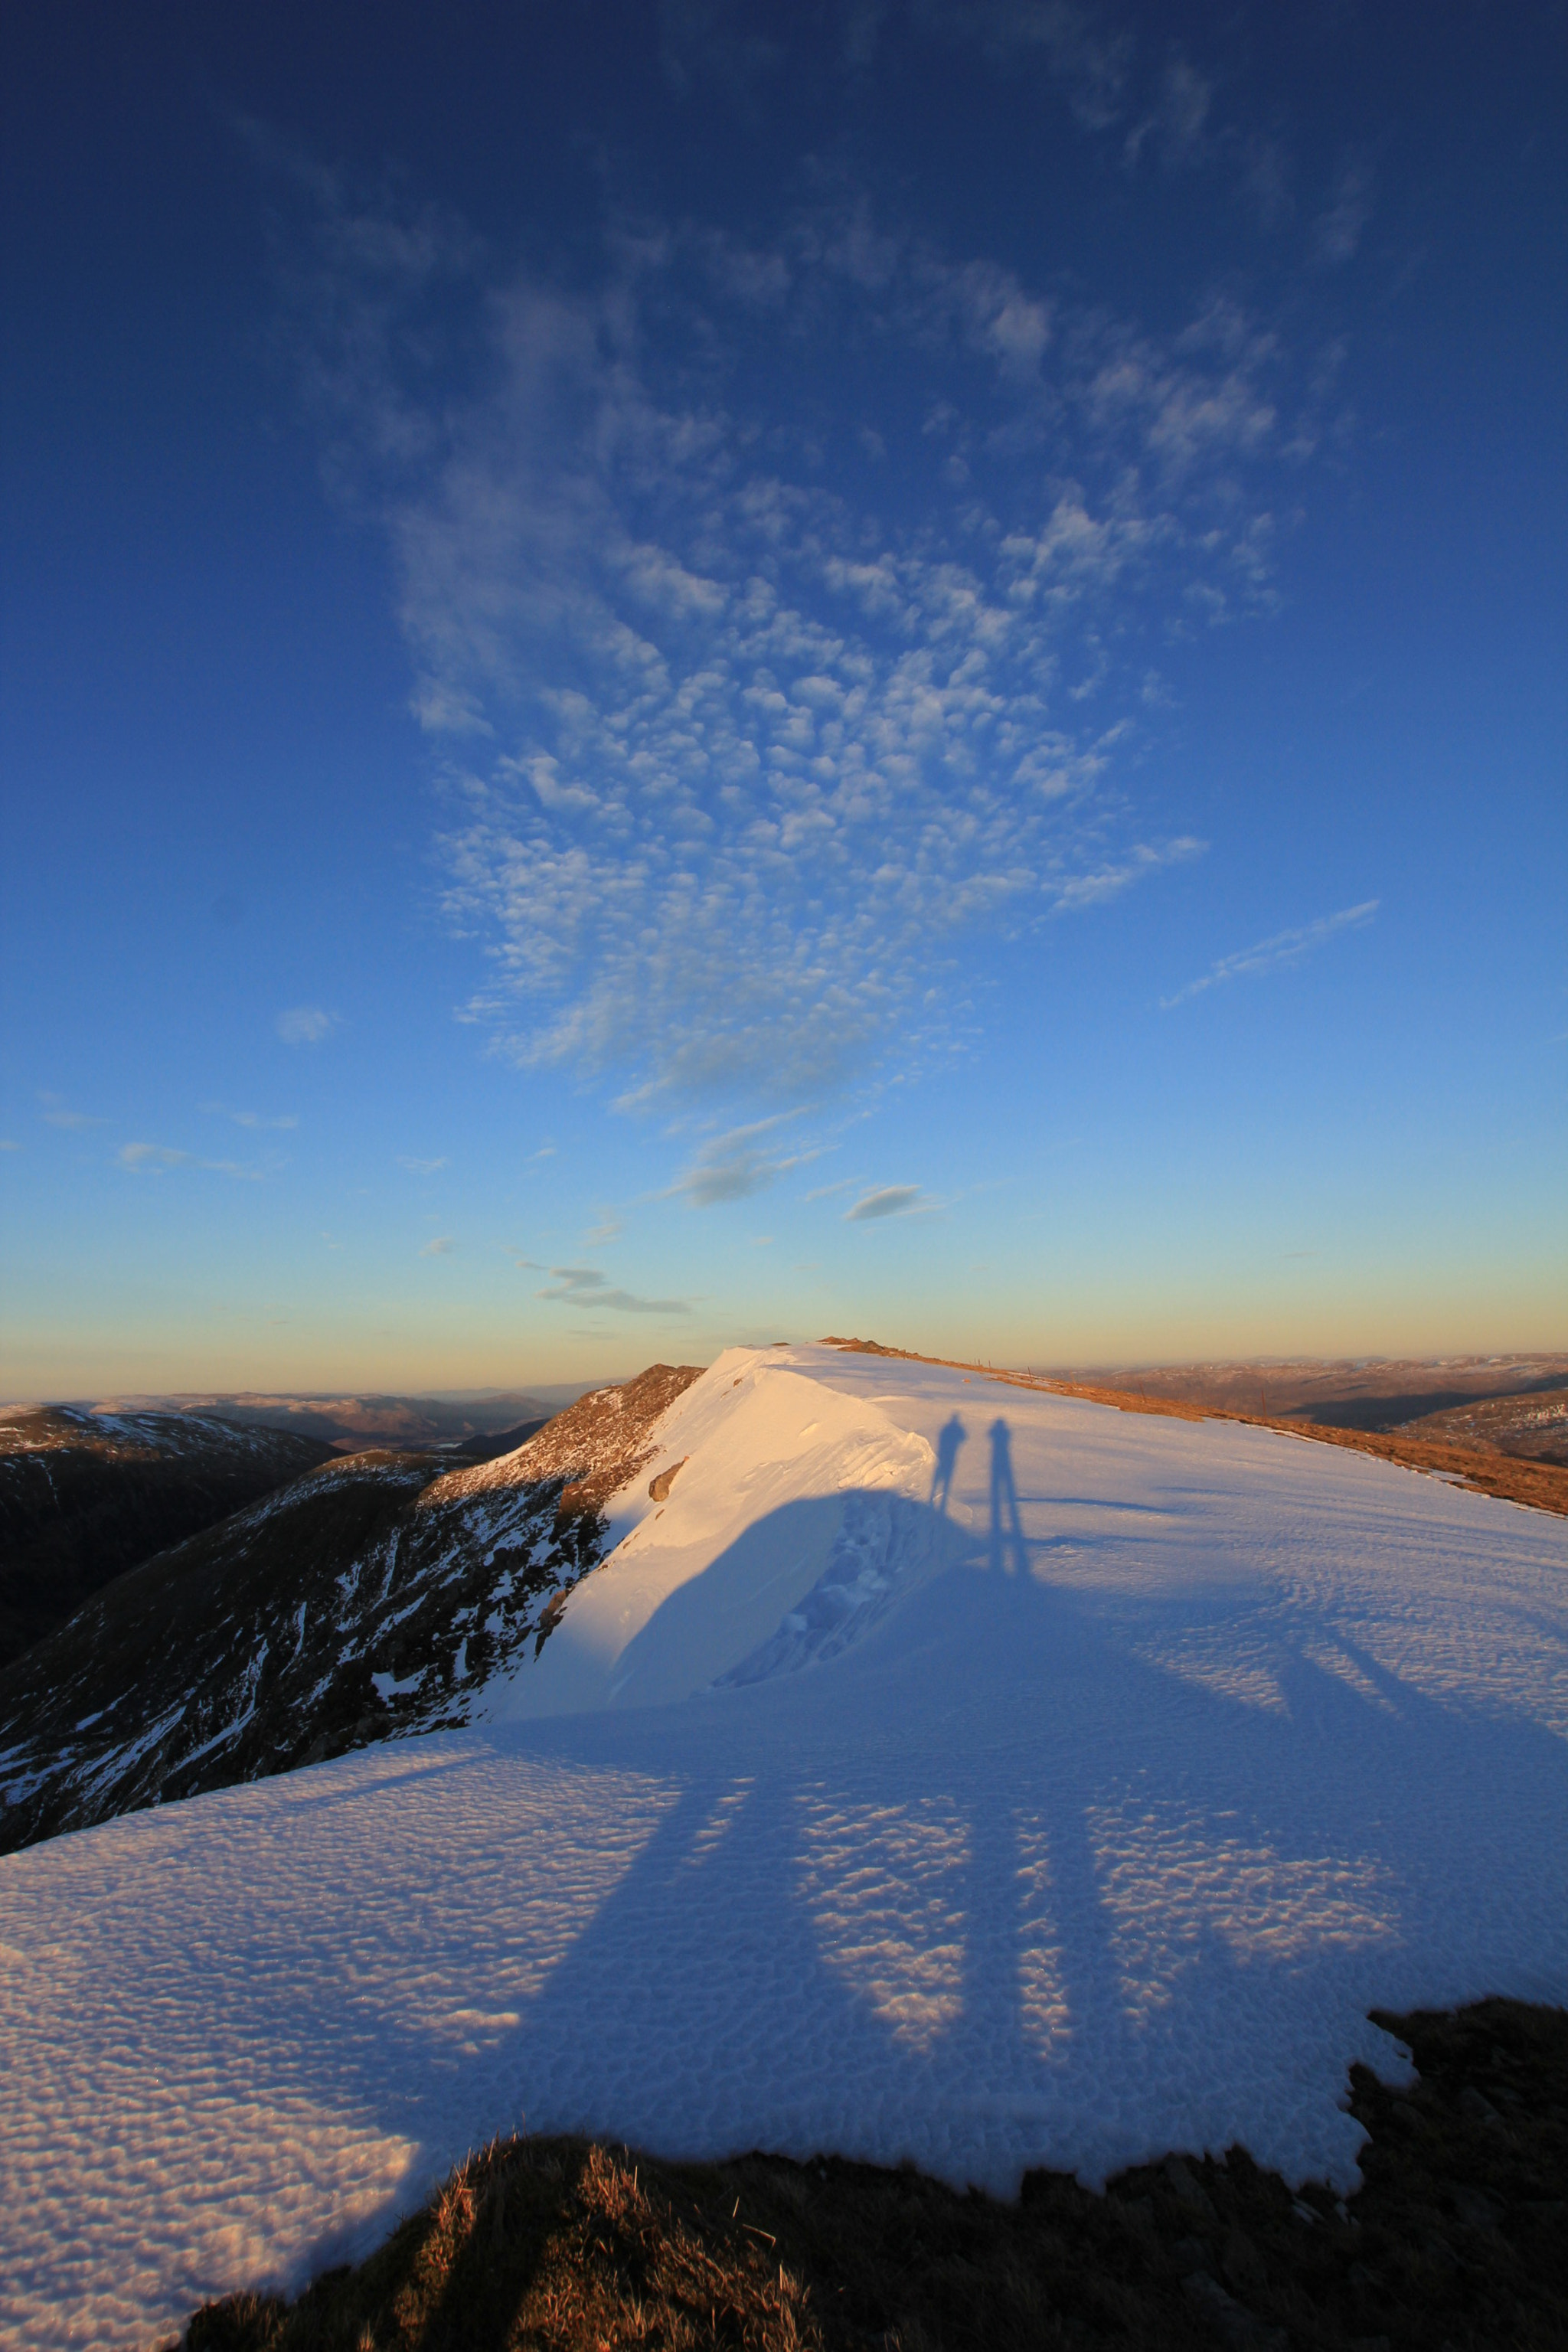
{"x":85,"y":1496}
{"x":372,"y":1598}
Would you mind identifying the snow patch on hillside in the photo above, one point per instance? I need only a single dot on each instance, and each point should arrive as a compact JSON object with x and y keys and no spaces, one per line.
{"x":942,"y":1770}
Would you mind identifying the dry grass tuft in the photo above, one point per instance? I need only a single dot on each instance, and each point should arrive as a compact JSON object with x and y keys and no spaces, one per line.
{"x":1459,"y":2239}
{"x":557,"y":2243}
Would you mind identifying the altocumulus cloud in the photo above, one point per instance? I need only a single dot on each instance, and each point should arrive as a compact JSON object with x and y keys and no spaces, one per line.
{"x":739,"y":761}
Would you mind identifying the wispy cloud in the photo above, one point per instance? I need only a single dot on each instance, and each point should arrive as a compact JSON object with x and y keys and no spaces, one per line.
{"x":157,"y":1159}
{"x":887,"y":1201}
{"x":7,"y":1145}
{"x":732,"y":1167}
{"x":1089,"y":56}
{"x":252,"y":1118}
{"x":1273,"y":954}
{"x":705,"y":41}
{"x":1176,"y":123}
{"x":58,"y":1112}
{"x":420,"y":1166}
{"x":305,"y":1025}
{"x":1266,"y":178}
{"x":1337,"y":231}
{"x":152,"y":1158}
{"x":739,"y":762}
{"x":585,"y":1286}
{"x":1108,"y":881}
{"x":442,"y":1246}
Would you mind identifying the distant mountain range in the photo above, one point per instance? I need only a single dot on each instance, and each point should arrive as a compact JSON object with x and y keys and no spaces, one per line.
{"x":1525,"y":1397}
{"x":372,"y":1598}
{"x":352,"y":1422}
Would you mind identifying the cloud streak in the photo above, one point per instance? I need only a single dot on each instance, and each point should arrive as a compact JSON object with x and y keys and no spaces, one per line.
{"x":1276,"y":954}
{"x":252,"y":1118}
{"x":734,"y":1166}
{"x":1337,"y":231}
{"x":887,"y":1201}
{"x":585,"y":1286}
{"x":58,"y":1113}
{"x":157,"y":1159}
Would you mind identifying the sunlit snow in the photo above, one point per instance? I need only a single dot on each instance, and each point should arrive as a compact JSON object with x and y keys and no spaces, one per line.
{"x":941,"y":1769}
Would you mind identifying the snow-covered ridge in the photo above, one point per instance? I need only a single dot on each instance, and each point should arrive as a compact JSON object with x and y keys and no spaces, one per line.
{"x":766,"y":1459}
{"x":940,"y":1769}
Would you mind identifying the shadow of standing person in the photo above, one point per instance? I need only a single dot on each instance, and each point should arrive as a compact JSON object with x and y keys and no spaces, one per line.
{"x":1006,"y":1528}
{"x":949,"y":1439}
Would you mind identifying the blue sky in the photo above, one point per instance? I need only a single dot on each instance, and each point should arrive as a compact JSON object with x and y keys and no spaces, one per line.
{"x":713,"y":672}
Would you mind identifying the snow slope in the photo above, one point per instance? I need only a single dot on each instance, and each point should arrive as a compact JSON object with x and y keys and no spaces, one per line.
{"x":1081,"y":1819}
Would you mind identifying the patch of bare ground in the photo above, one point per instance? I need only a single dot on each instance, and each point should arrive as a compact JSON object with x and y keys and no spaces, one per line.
{"x":1459,"y":2239}
{"x":1537,"y":1485}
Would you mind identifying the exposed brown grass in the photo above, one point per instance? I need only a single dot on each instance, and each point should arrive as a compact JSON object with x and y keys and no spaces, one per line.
{"x":552,"y":2243}
{"x":1513,"y":1478}
{"x":1458,"y":2240}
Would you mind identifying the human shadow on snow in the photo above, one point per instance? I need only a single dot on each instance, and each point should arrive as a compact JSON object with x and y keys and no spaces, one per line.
{"x":1008,"y":1883}
{"x":949,"y":1437}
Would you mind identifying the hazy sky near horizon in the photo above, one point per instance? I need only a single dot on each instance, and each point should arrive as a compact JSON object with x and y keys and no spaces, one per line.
{"x":710,"y":672}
